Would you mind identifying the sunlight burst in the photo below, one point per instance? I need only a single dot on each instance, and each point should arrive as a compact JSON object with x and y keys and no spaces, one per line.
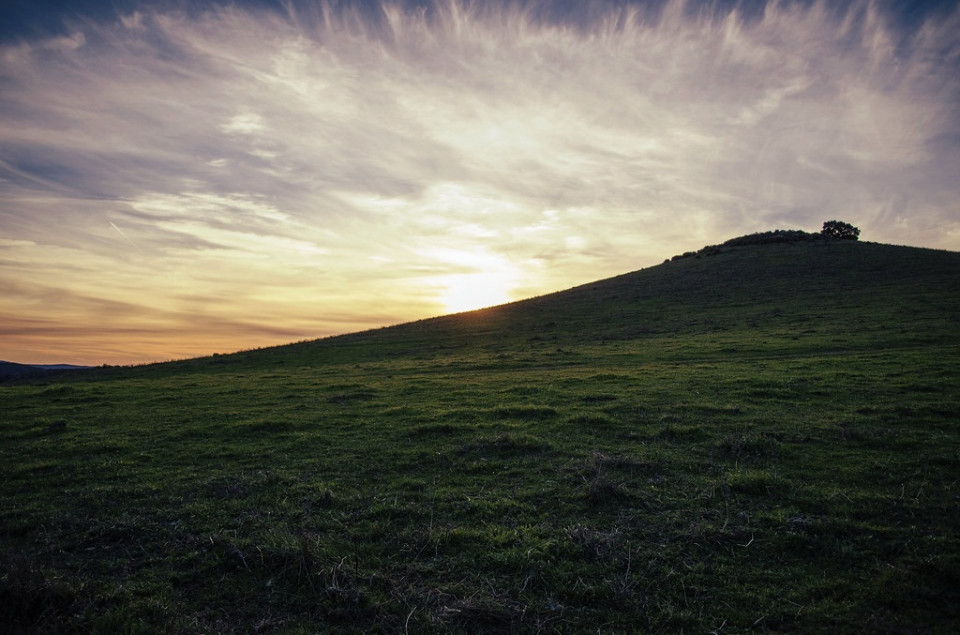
{"x":469,"y":291}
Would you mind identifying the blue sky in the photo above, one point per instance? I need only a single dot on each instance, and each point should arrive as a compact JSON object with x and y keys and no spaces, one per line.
{"x":183,"y":178}
{"x":31,"y":18}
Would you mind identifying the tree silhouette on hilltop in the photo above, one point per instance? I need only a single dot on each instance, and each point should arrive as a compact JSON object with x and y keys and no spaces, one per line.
{"x":839,"y":230}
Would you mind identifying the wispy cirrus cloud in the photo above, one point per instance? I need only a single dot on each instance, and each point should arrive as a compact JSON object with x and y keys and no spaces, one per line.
{"x":282,"y":175}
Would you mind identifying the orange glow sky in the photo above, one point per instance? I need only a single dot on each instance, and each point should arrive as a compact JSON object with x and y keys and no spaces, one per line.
{"x":175,"y":183}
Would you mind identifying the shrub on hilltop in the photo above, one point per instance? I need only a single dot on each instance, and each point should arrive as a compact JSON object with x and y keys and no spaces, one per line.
{"x":775,"y":236}
{"x":832,"y":230}
{"x":759,"y":238}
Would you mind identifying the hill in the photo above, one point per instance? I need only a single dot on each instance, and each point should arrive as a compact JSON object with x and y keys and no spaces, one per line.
{"x":10,"y":371}
{"x":768,"y":299}
{"x":763,"y":437}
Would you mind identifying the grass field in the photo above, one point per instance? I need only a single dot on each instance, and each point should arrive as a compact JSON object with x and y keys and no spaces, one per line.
{"x":766,"y":439}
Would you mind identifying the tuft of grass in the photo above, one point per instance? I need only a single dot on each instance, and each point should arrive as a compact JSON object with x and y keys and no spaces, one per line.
{"x":33,"y":595}
{"x":506,"y":444}
{"x":602,"y":490}
{"x":755,"y":482}
{"x":525,"y":413}
{"x":351,"y":396}
{"x":749,"y":446}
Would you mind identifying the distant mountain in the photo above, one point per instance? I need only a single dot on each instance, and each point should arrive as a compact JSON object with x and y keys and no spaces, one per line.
{"x":12,"y":370}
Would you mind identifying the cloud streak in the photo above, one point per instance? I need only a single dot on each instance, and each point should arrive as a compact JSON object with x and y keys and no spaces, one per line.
{"x":274,"y":176}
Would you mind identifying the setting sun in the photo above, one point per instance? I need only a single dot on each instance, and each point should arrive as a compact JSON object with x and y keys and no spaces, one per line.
{"x":465,"y":292}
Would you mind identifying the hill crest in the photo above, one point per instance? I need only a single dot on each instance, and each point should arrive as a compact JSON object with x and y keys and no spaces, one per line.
{"x":783,"y":294}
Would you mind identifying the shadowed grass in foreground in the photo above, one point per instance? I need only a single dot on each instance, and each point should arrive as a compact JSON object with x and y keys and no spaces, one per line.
{"x":762,"y":440}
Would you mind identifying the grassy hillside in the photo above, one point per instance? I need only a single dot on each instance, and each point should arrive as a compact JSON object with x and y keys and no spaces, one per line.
{"x":764,"y":439}
{"x":769,"y":300}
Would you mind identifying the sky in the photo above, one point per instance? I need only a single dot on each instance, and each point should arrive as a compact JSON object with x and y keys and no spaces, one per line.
{"x":183,"y":178}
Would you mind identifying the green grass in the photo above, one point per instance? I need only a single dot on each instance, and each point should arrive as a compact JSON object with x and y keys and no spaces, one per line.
{"x":761,"y":440}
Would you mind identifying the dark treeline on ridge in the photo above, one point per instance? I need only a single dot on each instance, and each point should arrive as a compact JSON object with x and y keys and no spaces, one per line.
{"x":832,"y":230}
